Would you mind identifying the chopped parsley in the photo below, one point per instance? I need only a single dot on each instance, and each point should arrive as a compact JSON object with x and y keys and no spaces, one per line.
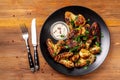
{"x":102,"y":35}
{"x":94,"y":37}
{"x":76,"y":17}
{"x":86,"y":67}
{"x":87,"y":32}
{"x":66,"y":46}
{"x":88,"y":20}
{"x":54,"y":54}
{"x":85,"y":38}
{"x":62,"y":36}
{"x":74,"y":49}
{"x":78,"y":38}
{"x":88,"y":62}
{"x":72,"y":22}
{"x":97,"y":44}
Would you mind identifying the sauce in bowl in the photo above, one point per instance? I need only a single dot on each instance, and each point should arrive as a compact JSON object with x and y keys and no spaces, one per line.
{"x":59,"y":30}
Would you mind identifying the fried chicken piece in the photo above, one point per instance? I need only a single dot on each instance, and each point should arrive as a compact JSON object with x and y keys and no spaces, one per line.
{"x":54,"y":49}
{"x":80,"y":20}
{"x":69,"y":16}
{"x":73,"y":33}
{"x":67,"y":63}
{"x":84,"y":53}
{"x":75,"y":57}
{"x":51,"y":46}
{"x":95,"y":49}
{"x":71,"y":43}
{"x":88,"y":43}
{"x":64,"y":55}
{"x":80,"y":63}
{"x":95,"y":31}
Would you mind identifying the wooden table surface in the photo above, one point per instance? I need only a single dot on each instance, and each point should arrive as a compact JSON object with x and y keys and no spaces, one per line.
{"x":13,"y":56}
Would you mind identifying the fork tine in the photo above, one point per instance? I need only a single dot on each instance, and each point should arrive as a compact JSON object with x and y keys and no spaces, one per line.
{"x":26,"y":29}
{"x":23,"y":28}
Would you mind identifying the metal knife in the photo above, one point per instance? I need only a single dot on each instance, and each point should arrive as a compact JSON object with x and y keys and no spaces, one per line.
{"x":34,"y":43}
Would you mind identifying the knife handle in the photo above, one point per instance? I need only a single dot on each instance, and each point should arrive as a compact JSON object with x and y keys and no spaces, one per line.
{"x":31,"y":64}
{"x":36,"y":58}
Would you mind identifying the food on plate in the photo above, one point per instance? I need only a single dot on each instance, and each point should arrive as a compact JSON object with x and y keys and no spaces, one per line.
{"x":81,"y":45}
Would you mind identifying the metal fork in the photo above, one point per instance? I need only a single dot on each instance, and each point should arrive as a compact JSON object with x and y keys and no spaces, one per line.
{"x":26,"y":37}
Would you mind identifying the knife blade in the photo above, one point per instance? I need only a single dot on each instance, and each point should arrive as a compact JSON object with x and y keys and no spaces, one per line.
{"x":33,"y":30}
{"x":34,"y":43}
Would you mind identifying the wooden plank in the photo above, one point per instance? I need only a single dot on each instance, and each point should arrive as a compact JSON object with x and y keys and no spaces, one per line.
{"x":13,"y":56}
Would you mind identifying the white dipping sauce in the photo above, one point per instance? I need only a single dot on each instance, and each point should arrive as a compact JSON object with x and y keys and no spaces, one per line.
{"x":59,"y":30}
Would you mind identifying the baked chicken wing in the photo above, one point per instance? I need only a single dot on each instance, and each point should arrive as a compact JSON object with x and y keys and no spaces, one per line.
{"x":64,"y":55}
{"x":67,"y":63}
{"x":80,"y":63}
{"x":54,"y":49}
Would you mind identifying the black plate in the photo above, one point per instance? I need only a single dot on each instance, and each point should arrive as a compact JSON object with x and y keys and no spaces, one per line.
{"x":59,"y":16}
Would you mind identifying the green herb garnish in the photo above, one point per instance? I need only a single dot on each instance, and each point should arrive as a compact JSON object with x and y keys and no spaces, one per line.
{"x":72,"y":22}
{"x":94,"y":37}
{"x":74,"y":49}
{"x":54,"y":54}
{"x":78,"y":38}
{"x":102,"y":35}
{"x":87,"y":32}
{"x":78,"y":28}
{"x":86,"y":67}
{"x":76,"y":17}
{"x":97,"y":44}
{"x":62,"y":36}
{"x":66,"y":46}
{"x":88,"y":19}
{"x":85,"y":38}
{"x":88,"y":62}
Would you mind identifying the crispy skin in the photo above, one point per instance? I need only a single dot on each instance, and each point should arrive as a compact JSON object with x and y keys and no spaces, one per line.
{"x":64,"y":55}
{"x":80,"y":63}
{"x":73,"y":33}
{"x":67,"y":63}
{"x":75,"y":57}
{"x":54,"y":49}
{"x":88,"y":43}
{"x":91,"y":58}
{"x":71,"y":43}
{"x":80,"y":21}
{"x":95,"y":49}
{"x":69,"y":16}
{"x":95,"y":31}
{"x":84,"y":53}
{"x":50,"y":46}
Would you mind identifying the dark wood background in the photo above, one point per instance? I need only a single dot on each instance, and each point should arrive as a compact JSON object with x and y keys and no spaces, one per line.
{"x":13,"y":56}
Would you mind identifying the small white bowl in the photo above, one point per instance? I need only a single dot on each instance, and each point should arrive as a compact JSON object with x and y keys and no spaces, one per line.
{"x":59,"y":30}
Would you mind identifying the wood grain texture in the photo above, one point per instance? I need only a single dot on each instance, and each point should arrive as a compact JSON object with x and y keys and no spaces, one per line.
{"x":13,"y":56}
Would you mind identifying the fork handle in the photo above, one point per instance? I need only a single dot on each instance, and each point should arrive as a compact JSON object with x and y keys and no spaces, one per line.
{"x":31,"y":64}
{"x":36,"y":58}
